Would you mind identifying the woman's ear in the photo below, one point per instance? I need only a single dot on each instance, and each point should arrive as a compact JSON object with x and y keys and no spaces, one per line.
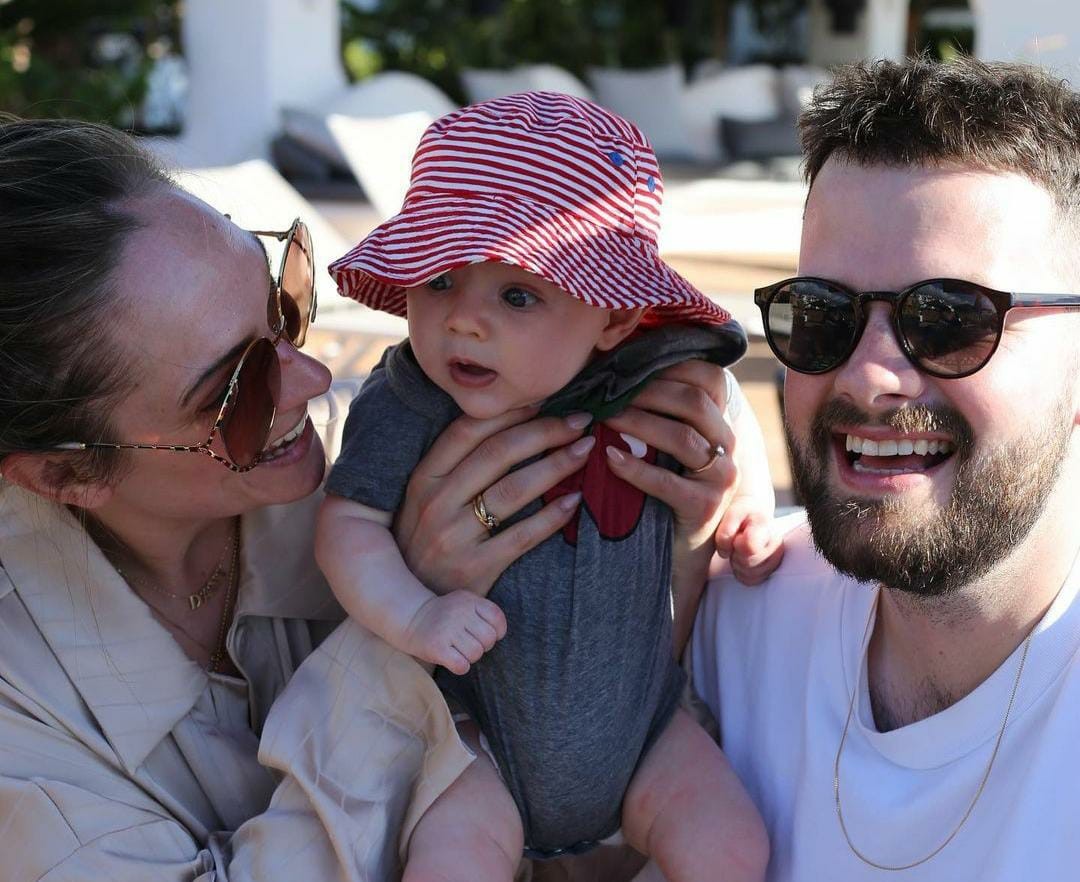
{"x":47,"y":476}
{"x":620,"y":323}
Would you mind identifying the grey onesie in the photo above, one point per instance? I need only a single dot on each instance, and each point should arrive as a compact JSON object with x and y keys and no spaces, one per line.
{"x":584,"y":680}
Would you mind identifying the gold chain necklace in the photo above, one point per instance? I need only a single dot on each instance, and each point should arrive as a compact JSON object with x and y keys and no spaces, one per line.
{"x":198,"y":598}
{"x":219,"y":655}
{"x":978,"y":790}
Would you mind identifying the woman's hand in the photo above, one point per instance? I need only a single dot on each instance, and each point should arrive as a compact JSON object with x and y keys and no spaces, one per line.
{"x":442,"y":540}
{"x":682,"y":413}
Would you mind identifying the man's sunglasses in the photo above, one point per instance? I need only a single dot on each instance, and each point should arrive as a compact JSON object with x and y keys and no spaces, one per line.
{"x":946,"y":327}
{"x":251,"y":397}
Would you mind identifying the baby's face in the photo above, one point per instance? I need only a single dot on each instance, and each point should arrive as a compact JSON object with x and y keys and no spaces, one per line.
{"x":495,"y":337}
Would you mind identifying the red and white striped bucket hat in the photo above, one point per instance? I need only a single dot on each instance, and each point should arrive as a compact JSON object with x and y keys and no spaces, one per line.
{"x":547,"y":182}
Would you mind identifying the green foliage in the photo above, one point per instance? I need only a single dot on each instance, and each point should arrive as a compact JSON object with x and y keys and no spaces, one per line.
{"x":946,"y":38}
{"x":437,"y":39}
{"x":81,"y":58}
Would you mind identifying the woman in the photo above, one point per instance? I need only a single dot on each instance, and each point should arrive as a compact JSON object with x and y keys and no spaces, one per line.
{"x":164,"y":712}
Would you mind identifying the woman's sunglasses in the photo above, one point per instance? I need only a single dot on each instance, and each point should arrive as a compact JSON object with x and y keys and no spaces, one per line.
{"x":946,"y":327}
{"x":251,"y":397}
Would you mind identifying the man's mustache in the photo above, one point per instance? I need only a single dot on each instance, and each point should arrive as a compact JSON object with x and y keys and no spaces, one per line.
{"x":911,"y":419}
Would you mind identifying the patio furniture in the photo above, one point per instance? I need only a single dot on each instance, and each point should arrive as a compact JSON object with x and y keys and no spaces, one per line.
{"x":485,"y":84}
{"x":385,"y":94}
{"x":378,"y":151}
{"x":722,"y":115}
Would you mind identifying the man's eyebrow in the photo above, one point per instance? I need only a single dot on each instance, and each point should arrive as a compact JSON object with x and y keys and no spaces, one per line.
{"x":232,"y":355}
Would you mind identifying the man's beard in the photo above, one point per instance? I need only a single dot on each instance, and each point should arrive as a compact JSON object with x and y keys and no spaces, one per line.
{"x":928,"y":550}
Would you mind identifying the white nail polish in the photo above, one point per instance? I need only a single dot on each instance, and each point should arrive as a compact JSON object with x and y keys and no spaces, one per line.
{"x":638,"y":448}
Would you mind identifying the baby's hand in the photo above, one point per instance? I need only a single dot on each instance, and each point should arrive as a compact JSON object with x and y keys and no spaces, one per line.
{"x":454,"y":630}
{"x":747,"y":539}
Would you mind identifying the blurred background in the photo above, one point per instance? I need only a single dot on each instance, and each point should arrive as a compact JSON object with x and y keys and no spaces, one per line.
{"x":270,"y":109}
{"x":123,"y":61}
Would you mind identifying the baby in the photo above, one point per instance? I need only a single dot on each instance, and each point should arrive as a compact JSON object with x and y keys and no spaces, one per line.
{"x":525,"y":259}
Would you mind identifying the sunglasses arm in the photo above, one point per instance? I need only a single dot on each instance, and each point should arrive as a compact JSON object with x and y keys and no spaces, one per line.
{"x":280,"y":235}
{"x":1046,"y":301}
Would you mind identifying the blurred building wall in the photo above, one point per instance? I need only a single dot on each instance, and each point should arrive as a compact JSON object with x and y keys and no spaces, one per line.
{"x":247,"y":59}
{"x":1045,"y":32}
{"x":880,"y":32}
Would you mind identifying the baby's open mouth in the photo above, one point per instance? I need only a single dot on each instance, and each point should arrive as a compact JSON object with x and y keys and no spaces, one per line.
{"x":902,"y":455}
{"x":468,"y":368}
{"x":469,"y":373}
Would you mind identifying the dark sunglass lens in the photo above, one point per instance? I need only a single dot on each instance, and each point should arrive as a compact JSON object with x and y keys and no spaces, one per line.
{"x":811,"y":325}
{"x":951,"y":328}
{"x":298,"y":286}
{"x":246,"y":427}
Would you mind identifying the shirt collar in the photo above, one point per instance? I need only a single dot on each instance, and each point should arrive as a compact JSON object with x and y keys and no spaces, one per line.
{"x":134,"y":677}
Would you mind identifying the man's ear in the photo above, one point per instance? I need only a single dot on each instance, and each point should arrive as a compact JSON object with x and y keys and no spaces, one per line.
{"x":48,"y":476}
{"x":620,"y":323}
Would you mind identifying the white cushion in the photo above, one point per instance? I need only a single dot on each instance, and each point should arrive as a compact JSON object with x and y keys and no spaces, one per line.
{"x":707,"y":67}
{"x":749,"y":93}
{"x":379,"y":151}
{"x":385,"y":94}
{"x":310,"y":129}
{"x":652,"y":98}
{"x":552,"y":78}
{"x":389,"y":94}
{"x":797,"y":84}
{"x":485,"y":84}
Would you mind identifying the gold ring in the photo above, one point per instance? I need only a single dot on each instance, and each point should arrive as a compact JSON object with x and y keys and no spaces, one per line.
{"x":717,"y":452}
{"x":482,"y":514}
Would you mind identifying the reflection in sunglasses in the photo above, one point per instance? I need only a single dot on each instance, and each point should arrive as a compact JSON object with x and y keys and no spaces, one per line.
{"x":948,"y":328}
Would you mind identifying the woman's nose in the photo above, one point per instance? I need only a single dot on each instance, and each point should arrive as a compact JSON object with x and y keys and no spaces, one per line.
{"x":303,"y":377}
{"x":878,"y":373}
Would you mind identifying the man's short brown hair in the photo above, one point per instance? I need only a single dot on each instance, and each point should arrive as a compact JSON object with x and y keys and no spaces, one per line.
{"x":995,"y":117}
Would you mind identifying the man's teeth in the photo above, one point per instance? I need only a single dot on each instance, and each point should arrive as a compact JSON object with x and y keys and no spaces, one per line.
{"x":897,"y":447}
{"x":291,"y":435}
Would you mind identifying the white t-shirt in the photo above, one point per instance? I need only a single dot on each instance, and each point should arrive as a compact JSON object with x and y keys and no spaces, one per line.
{"x":777,"y":664}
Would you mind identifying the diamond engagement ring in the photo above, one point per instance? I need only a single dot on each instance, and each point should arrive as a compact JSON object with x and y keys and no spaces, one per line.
{"x":717,"y":452}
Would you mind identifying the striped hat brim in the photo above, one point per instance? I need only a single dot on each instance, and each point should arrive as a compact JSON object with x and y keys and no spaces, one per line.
{"x":435,"y":234}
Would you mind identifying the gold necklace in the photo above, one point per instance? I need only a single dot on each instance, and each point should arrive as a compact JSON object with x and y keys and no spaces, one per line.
{"x":219,"y":655}
{"x":978,"y":790}
{"x":198,"y":598}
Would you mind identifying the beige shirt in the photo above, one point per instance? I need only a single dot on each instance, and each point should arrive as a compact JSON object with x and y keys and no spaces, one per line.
{"x":122,"y":759}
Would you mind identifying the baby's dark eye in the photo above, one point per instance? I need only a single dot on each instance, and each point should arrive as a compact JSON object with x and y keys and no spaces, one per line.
{"x":519,"y":298}
{"x":440,"y":283}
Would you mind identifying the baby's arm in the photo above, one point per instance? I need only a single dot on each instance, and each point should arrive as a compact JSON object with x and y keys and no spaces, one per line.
{"x":357,"y":553}
{"x":745,"y":535}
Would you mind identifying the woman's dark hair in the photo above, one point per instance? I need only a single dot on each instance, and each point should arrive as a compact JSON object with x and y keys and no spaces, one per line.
{"x":997,"y":117}
{"x":63,"y":189}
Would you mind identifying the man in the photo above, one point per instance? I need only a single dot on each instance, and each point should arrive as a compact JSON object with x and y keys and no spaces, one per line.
{"x":913,"y":703}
